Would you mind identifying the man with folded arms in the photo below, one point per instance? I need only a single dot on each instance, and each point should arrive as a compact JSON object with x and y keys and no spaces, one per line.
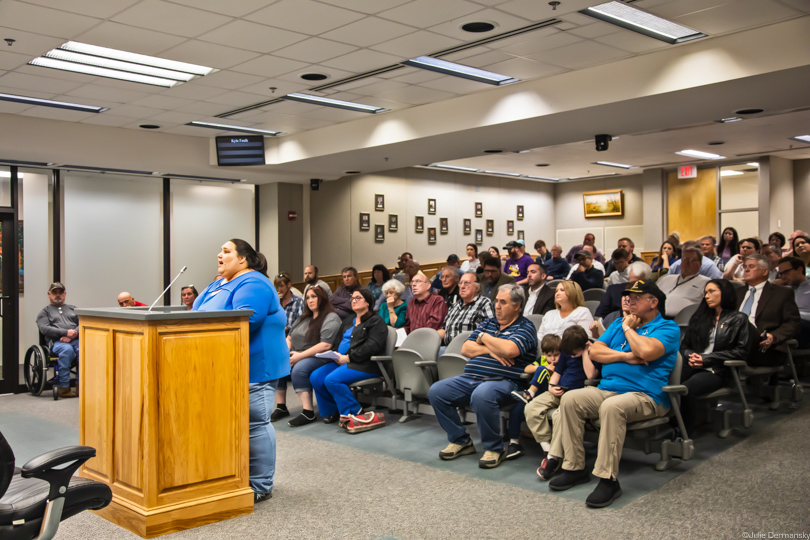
{"x":637,"y":353}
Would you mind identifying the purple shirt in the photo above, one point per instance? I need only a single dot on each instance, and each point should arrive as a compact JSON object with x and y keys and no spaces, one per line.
{"x":517,"y":268}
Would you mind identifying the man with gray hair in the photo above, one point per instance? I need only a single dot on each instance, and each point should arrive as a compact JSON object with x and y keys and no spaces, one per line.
{"x":612,"y":300}
{"x":449,"y":279}
{"x":467,"y":311}
{"x":498,"y":351}
{"x":708,"y":267}
{"x":686,"y":288}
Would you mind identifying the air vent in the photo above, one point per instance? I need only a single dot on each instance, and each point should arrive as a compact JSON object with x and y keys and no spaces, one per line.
{"x":104,"y":170}
{"x":249,"y":108}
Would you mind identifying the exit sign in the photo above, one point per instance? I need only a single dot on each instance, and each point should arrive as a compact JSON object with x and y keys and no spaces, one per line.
{"x":687,"y":171}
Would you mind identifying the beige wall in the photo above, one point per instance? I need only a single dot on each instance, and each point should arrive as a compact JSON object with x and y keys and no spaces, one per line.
{"x":801,"y":194}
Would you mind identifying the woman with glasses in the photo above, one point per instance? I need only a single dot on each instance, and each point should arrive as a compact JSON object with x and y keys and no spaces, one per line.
{"x":292,"y":304}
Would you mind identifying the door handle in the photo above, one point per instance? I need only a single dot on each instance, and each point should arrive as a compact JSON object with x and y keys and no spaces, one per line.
{"x":1,"y":304}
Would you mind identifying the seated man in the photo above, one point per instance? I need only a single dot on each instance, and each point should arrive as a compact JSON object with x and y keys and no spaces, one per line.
{"x":539,"y":296}
{"x":342,"y":297}
{"x":791,"y":273}
{"x":499,"y":350}
{"x":543,"y":254}
{"x":493,"y":278}
{"x":452,"y":260}
{"x":125,"y":300}
{"x":735,"y":266}
{"x":467,"y":311}
{"x":311,"y":278}
{"x":627,"y":245}
{"x":425,"y":310}
{"x":584,"y":272}
{"x":596,"y":264}
{"x":557,"y":267}
{"x":708,"y":267}
{"x":770,"y":308}
{"x":708,"y":245}
{"x":449,"y":277}
{"x":589,"y":240}
{"x":517,"y":263}
{"x":403,"y":259}
{"x":59,"y":323}
{"x":637,"y":354}
{"x":686,"y":288}
{"x":773,"y":254}
{"x":619,"y":262}
{"x":611,"y":303}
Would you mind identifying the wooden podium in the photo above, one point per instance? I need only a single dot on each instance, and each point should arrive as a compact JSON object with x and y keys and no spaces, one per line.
{"x":164,"y":401}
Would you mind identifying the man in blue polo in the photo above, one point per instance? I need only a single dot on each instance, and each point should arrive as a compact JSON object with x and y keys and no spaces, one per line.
{"x":499,"y":349}
{"x":637,"y":354}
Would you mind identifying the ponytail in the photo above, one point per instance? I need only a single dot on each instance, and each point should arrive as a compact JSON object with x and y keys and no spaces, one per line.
{"x":255,"y":260}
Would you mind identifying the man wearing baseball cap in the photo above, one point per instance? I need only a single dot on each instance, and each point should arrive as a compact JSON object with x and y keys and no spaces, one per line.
{"x":518,"y":262}
{"x":637,"y":353}
{"x":59,"y":323}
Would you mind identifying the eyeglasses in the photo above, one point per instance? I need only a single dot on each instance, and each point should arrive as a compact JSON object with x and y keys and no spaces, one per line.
{"x":357,"y":298}
{"x":632,"y":298}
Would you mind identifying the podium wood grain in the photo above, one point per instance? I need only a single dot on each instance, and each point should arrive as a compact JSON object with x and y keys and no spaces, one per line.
{"x":165,"y":404}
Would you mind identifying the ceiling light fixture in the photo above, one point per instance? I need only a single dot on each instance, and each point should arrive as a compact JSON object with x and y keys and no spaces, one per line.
{"x":500,"y":173}
{"x":617,"y":165}
{"x":50,"y":103}
{"x":801,"y":138}
{"x":593,"y":176}
{"x":727,"y":172}
{"x":548,"y":178}
{"x":338,"y":104}
{"x":453,"y":167}
{"x":699,"y":154}
{"x":459,"y":70}
{"x":240,"y":129}
{"x":634,"y":19}
{"x":752,"y":164}
{"x":728,"y":120}
{"x":102,"y":72}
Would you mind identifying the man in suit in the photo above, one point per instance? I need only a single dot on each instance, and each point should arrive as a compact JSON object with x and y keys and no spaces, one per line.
{"x":612,"y":300}
{"x":539,"y":296}
{"x":493,"y":278}
{"x":770,"y":308}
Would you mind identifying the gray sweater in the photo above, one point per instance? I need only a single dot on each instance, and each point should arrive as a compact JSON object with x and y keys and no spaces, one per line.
{"x":54,"y":322}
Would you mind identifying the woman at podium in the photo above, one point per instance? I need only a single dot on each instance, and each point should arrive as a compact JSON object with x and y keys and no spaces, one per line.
{"x":243,"y":284}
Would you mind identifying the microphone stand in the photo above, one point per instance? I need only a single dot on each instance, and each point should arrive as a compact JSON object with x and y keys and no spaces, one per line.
{"x":167,"y":288}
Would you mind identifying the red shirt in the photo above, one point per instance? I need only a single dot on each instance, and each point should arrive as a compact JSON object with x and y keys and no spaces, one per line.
{"x":138,"y":304}
{"x":427,"y":313}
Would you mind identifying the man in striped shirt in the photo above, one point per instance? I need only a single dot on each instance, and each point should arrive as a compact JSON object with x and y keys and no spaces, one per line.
{"x":499,"y":349}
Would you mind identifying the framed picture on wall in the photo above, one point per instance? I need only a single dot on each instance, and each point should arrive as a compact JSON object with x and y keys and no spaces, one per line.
{"x":510,"y":227}
{"x":467,"y":226}
{"x":393,"y":222}
{"x":607,"y":203}
{"x":431,"y":235}
{"x":490,"y":227}
{"x":431,"y":206}
{"x":443,"y":226}
{"x":521,"y":236}
{"x":520,"y":212}
{"x":479,"y":236}
{"x":365,"y":221}
{"x":379,"y":233}
{"x":379,"y":202}
{"x":420,"y":224}
{"x":479,"y":209}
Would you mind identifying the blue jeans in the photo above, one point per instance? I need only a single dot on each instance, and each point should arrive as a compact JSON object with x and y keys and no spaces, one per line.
{"x":262,"y":436}
{"x":300,"y":373}
{"x":67,"y":353}
{"x":516,"y":418}
{"x":331,"y":385}
{"x":485,"y":399}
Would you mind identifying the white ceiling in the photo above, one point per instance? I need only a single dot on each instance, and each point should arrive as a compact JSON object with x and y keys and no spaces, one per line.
{"x":262,"y":44}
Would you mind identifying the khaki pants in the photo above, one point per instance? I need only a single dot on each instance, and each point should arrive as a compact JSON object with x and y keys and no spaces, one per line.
{"x":537,"y":414}
{"x":614,"y":411}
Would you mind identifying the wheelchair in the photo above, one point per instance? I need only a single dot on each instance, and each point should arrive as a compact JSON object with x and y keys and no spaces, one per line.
{"x":39,"y":360}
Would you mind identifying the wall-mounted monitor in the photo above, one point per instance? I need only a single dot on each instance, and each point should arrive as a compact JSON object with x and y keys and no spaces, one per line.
{"x":240,"y":150}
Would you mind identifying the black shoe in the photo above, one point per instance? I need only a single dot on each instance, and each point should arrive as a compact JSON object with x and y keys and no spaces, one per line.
{"x":279,"y":413}
{"x":569,"y":479}
{"x":522,"y":395}
{"x":302,"y":420}
{"x":331,"y":419}
{"x":259,"y":497}
{"x":548,"y":468}
{"x":605,"y":493}
{"x":514,"y":451}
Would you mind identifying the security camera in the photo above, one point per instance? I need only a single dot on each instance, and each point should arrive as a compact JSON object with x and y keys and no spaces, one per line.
{"x":315,"y":184}
{"x":602,"y":142}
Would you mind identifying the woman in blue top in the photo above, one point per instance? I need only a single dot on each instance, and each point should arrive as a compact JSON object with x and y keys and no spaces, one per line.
{"x":666,"y":256}
{"x":244,"y":285}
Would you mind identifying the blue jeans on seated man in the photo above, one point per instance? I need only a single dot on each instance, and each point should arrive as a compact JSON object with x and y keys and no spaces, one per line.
{"x":331,"y":385}
{"x":300,"y":374}
{"x":262,"y":443}
{"x":485,"y":397}
{"x":67,"y":353}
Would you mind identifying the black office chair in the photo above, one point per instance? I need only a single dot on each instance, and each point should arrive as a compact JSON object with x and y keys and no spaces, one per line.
{"x":36,"y":498}
{"x":39,"y":359}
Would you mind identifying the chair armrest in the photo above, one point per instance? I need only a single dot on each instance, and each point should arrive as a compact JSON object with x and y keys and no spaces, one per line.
{"x":676,"y":389}
{"x":380,"y":359}
{"x":526,"y":376}
{"x":425,"y":363}
{"x":735,"y":363}
{"x":792,"y":343}
{"x":592,"y":382}
{"x":456,"y":356}
{"x":42,"y":467}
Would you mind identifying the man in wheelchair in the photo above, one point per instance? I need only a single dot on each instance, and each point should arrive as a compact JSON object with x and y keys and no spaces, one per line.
{"x":59,"y":324}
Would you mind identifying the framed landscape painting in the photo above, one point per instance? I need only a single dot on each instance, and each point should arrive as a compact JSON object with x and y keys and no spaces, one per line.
{"x":607,"y":203}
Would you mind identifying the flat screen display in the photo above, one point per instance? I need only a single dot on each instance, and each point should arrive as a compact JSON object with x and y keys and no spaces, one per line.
{"x":240,"y":150}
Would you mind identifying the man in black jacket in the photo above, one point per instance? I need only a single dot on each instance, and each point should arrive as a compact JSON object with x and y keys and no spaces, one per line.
{"x":585,"y":274}
{"x":612,"y":300}
{"x":539,"y":296}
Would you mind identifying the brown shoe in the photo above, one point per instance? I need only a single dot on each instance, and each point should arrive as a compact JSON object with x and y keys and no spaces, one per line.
{"x":66,"y":393}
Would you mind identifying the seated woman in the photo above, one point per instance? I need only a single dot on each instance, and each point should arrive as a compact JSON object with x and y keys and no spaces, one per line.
{"x":359,"y":338}
{"x":472,"y":263}
{"x":570,"y":310}
{"x":379,"y":275}
{"x":312,"y":333}
{"x":801,"y":249}
{"x":187,"y":295}
{"x":717,"y":332}
{"x":392,"y":309}
{"x":666,"y":256}
{"x":293,"y":305}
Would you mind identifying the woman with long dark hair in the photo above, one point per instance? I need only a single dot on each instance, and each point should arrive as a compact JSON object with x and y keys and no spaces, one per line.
{"x":471,"y":264}
{"x":717,"y":332}
{"x":379,"y":276}
{"x":729,"y":244}
{"x":666,"y":256}
{"x":800,"y":246}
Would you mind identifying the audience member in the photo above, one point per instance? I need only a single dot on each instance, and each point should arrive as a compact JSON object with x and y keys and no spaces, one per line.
{"x":686,"y":288}
{"x":637,"y":355}
{"x":312,"y":333}
{"x":379,"y":276}
{"x":517,"y":263}
{"x":717,"y":332}
{"x":472,"y":263}
{"x":585,"y":274}
{"x":791,"y":238}
{"x":449,"y":277}
{"x":557,"y":266}
{"x":800,"y":247}
{"x":543,"y":254}
{"x":589,"y":240}
{"x":777,"y":239}
{"x":467,"y":311}
{"x":494,"y":252}
{"x":393,"y":308}
{"x":453,"y":262}
{"x":708,"y":266}
{"x":342,"y":297}
{"x":59,"y":324}
{"x":187,"y":295}
{"x":666,"y":256}
{"x":627,"y":245}
{"x":708,"y":245}
{"x":770,"y":308}
{"x":425,"y":310}
{"x":729,"y":244}
{"x":410,"y":270}
{"x":792,"y":273}
{"x":402,"y":261}
{"x":293,"y":305}
{"x":611,"y":303}
{"x":499,"y":349}
{"x":570,"y":311}
{"x":619,"y":263}
{"x":125,"y":300}
{"x":600,"y":324}
{"x":539,"y":297}
{"x":493,"y":278}
{"x":596,"y":264}
{"x":311,"y":279}
{"x":773,"y":253}
{"x":734,"y":266}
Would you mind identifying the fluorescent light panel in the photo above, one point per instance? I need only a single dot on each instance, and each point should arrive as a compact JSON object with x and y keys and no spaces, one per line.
{"x":338,"y":104}
{"x":133,"y":58}
{"x":499,"y":173}
{"x":617,"y":165}
{"x":459,"y":70}
{"x":453,"y":167}
{"x":728,"y":172}
{"x":699,"y":154}
{"x":593,"y":176}
{"x":102,"y":72}
{"x":630,"y":18}
{"x":752,"y":164}
{"x":51,"y":103}
{"x":802,"y":138}
{"x":107,"y":63}
{"x":545,"y":178}
{"x":240,"y":129}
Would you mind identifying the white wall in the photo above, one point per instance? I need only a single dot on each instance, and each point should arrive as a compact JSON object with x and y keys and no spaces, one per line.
{"x":801,"y":190}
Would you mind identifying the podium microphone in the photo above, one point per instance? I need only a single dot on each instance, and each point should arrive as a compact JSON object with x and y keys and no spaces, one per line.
{"x":167,"y":288}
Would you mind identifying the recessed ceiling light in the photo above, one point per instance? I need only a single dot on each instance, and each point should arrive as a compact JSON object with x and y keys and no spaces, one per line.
{"x":50,"y":103}
{"x":716,"y":143}
{"x":453,"y":167}
{"x":149,"y":126}
{"x":728,"y":172}
{"x":593,"y":176}
{"x":634,"y":19}
{"x":314,"y":76}
{"x":728,"y":120}
{"x":500,"y":173}
{"x":351,"y":172}
{"x":617,"y":165}
{"x":459,"y":70}
{"x":749,"y":111}
{"x":477,"y":27}
{"x":542,"y":165}
{"x":522,"y":151}
{"x":802,"y":138}
{"x":338,"y":104}
{"x":493,"y":151}
{"x":699,"y":154}
{"x":239,"y":129}
{"x":752,"y":164}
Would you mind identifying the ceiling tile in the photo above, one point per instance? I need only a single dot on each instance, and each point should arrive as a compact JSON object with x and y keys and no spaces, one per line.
{"x":7,"y":107}
{"x":385,"y":103}
{"x":416,"y":95}
{"x":57,"y":114}
{"x":56,"y":74}
{"x":737,"y":16}
{"x":417,"y":44}
{"x":290,"y":107}
{"x":236,"y":99}
{"x":671,"y":10}
{"x":363,"y":60}
{"x":578,"y":55}
{"x":28,"y":93}
{"x":42,"y":20}
{"x":416,"y":76}
{"x":191,"y":131}
{"x":30,"y":44}
{"x":171,"y":18}
{"x":304,"y":16}
{"x":424,"y":13}
{"x":269,"y":66}
{"x":173,"y":117}
{"x":10,"y":60}
{"x":524,"y":68}
{"x":159,"y":101}
{"x":208,"y":54}
{"x":531,"y":9}
{"x":542,"y":40}
{"x":92,"y":8}
{"x":204,"y":109}
{"x":193,"y":91}
{"x":378,"y":88}
{"x":456,"y":85}
{"x":233,"y":9}
{"x":351,"y":85}
{"x":366,"y":6}
{"x":293,"y":124}
{"x":128,"y":38}
{"x":485,"y":59}
{"x":94,"y":91}
{"x":578,"y":18}
{"x":334,"y":115}
{"x":368,"y":31}
{"x":32,"y":82}
{"x":229,"y":80}
{"x":281,"y":88}
{"x":315,"y":50}
{"x":105,"y":119}
{"x":137,"y":126}
{"x":490,"y":2}
{"x":503,"y":22}
{"x":633,"y":42}
{"x":133,"y":111}
{"x":126,"y":85}
{"x":253,"y":36}
{"x":331,"y":73}
{"x":595,"y":30}
{"x":344,"y":96}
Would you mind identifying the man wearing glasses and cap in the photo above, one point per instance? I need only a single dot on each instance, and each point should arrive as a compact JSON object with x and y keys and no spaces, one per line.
{"x":59,"y":323}
{"x":637,"y":353}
